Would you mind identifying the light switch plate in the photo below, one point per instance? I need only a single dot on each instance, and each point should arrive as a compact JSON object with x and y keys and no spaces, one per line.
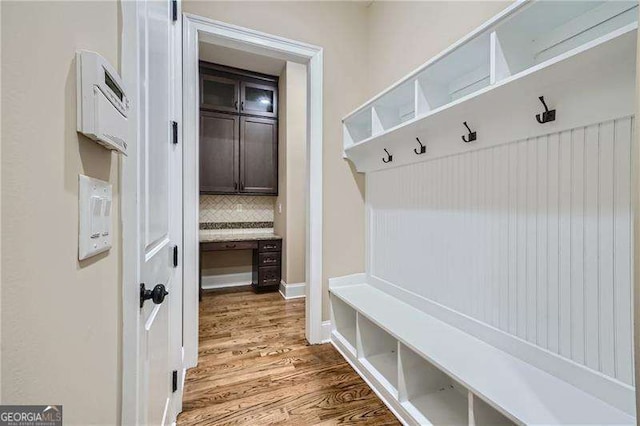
{"x":95,"y":200}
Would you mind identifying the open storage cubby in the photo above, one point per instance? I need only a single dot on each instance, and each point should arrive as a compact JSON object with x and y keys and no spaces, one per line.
{"x":428,"y":394}
{"x":344,"y":322}
{"x":485,"y":415}
{"x":358,"y":127}
{"x":378,"y":351}
{"x":546,"y":29}
{"x":394,"y":107}
{"x":461,"y":72}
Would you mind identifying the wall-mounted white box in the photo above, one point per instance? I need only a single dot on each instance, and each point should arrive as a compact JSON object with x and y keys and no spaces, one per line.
{"x":95,"y":198}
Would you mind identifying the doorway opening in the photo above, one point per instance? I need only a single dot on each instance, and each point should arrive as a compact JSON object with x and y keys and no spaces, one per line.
{"x":245,"y":44}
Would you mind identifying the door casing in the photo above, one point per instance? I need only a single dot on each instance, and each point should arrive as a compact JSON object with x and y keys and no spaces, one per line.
{"x":196,"y":29}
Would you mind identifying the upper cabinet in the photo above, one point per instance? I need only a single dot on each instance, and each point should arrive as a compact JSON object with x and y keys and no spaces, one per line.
{"x":225,"y":89}
{"x":259,"y":99}
{"x":238,"y":132}
{"x":219,"y":93}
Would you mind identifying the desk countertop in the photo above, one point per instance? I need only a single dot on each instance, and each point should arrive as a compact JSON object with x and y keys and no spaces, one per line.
{"x":214,"y":235}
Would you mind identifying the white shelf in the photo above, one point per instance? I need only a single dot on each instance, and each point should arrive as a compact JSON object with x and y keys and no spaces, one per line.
{"x":525,"y":394}
{"x":446,"y":406}
{"x":358,"y":127}
{"x":485,"y":415}
{"x":428,"y":394}
{"x":344,"y":324}
{"x":378,"y":350}
{"x":460,"y":73}
{"x":545,"y":30}
{"x":528,"y":38}
{"x":397,"y":107}
{"x":562,"y":80}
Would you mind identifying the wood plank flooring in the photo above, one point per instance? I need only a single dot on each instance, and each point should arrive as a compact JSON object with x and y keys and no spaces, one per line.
{"x":256,"y":368}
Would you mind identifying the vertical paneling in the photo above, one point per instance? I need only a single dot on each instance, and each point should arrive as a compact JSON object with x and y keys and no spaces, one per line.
{"x":532,"y":237}
{"x":577,"y":245}
{"x":622,"y":242}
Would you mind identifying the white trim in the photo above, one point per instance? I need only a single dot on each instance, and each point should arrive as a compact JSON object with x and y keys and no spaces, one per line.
{"x":326,"y":331}
{"x":237,"y":279}
{"x":292,"y":291}
{"x":345,"y":280}
{"x":129,"y":222}
{"x":198,"y":28}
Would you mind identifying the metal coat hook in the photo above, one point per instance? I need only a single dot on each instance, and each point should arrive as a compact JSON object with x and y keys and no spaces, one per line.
{"x":389,"y":157}
{"x":471,"y":136}
{"x":547,"y":115}
{"x":422,"y":149}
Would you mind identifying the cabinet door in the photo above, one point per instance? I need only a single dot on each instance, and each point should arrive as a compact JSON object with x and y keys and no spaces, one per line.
{"x":259,"y":99}
{"x":219,"y":144}
{"x":219,"y":93}
{"x":258,"y":155}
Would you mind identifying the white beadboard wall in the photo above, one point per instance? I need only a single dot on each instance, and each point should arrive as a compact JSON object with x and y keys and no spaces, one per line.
{"x":532,"y":237}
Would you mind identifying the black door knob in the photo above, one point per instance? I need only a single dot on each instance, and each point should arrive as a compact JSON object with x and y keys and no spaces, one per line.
{"x":157,"y":294}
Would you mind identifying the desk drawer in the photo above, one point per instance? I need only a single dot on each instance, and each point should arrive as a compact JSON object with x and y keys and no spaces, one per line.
{"x":270,"y":245}
{"x":229,"y":245}
{"x":268,"y":276}
{"x":269,"y":258}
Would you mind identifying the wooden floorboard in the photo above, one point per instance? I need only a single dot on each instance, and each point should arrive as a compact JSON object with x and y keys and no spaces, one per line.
{"x":256,"y":368}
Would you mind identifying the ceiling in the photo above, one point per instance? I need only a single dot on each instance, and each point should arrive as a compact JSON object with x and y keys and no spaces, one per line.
{"x":240,"y":59}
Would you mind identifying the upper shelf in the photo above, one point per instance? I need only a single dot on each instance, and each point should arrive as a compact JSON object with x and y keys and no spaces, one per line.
{"x":523,"y":38}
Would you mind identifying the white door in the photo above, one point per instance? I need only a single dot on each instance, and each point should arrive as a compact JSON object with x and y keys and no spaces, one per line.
{"x":159,"y":203}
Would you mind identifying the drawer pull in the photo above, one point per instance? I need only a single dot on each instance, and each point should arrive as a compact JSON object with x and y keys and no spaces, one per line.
{"x":270,"y":246}
{"x":270,"y":261}
{"x":231,"y":246}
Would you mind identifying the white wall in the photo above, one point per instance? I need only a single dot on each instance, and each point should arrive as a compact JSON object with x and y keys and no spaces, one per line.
{"x":61,"y":318}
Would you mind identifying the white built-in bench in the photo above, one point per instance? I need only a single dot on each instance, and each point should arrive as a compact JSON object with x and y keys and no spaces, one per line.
{"x":429,"y":372}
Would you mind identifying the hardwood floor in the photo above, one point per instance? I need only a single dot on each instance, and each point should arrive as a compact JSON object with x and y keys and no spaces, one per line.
{"x":255,"y":368}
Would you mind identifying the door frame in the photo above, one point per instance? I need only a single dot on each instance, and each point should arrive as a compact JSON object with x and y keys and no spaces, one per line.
{"x":197,"y":28}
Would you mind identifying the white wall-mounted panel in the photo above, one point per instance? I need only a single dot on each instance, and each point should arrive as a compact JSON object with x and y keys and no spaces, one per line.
{"x":531,"y":237}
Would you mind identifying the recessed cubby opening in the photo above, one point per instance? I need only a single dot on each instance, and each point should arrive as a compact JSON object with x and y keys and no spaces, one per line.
{"x":545,"y":30}
{"x":344,"y":320}
{"x":462,"y":72}
{"x":378,"y":351}
{"x":394,"y":107}
{"x":485,"y":415}
{"x":430,"y":395}
{"x":358,"y":127}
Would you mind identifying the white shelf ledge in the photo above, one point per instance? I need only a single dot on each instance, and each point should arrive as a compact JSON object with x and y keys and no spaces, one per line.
{"x":523,"y":393}
{"x":569,"y":52}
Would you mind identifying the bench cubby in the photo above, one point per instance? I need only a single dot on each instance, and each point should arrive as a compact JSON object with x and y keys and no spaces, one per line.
{"x":379,"y":351}
{"x":430,"y":395}
{"x":344,"y":323}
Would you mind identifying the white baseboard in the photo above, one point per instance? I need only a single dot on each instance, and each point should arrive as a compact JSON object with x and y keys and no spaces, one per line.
{"x":326,"y":331}
{"x":292,"y":291}
{"x":352,"y":279}
{"x":226,"y":280}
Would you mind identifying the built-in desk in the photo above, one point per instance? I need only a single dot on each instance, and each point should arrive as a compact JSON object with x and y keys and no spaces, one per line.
{"x":267,"y":254}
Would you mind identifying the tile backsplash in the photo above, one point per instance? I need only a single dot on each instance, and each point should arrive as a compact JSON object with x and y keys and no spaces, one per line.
{"x":236,"y":208}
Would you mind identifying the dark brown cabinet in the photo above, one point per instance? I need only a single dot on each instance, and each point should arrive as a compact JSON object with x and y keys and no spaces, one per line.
{"x":238,"y":132}
{"x":219,"y":152}
{"x":258,"y":99}
{"x":258,"y":155}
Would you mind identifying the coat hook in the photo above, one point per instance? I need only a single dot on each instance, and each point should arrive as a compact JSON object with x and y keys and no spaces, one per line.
{"x":422,"y":149}
{"x":472,"y":135}
{"x":547,"y":115}
{"x":389,"y":157}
